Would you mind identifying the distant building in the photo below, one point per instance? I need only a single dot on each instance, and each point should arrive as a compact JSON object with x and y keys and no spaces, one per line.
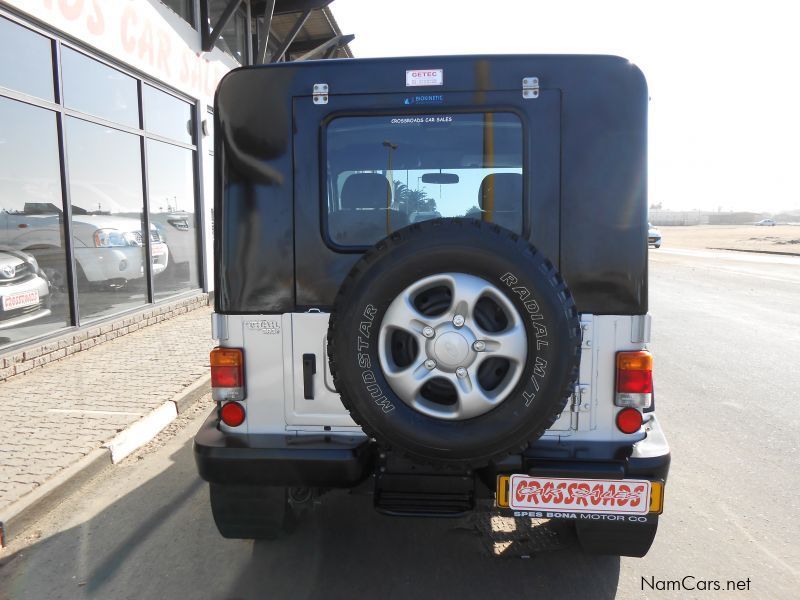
{"x":668,"y":217}
{"x":696,"y":217}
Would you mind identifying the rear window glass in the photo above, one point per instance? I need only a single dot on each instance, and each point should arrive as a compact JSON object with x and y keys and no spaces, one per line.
{"x":386,"y":172}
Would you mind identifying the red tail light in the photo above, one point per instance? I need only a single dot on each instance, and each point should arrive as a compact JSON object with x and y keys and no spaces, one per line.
{"x":629,"y":420}
{"x":227,"y":374}
{"x":232,"y":414}
{"x":634,"y":379}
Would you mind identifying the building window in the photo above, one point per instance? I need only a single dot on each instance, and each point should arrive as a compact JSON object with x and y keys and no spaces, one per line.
{"x":171,"y":189}
{"x":105,"y":136}
{"x":184,"y":9}
{"x":170,"y":173}
{"x":97,"y":89}
{"x":26,"y":61}
{"x":105,"y":184}
{"x":33,"y":286}
{"x":167,"y":116}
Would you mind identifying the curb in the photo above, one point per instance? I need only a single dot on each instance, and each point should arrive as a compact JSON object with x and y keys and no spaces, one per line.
{"x":17,"y":517}
{"x":777,"y":252}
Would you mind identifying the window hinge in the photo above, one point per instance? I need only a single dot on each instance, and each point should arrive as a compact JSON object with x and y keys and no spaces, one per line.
{"x":586,"y":334}
{"x":580,"y":399}
{"x":530,"y":87}
{"x":320,"y":94}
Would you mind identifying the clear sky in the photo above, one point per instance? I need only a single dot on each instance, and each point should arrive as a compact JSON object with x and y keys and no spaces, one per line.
{"x":724,"y":77}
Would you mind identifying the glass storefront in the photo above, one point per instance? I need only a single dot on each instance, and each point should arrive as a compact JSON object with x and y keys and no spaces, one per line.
{"x":33,"y":290}
{"x":96,"y":89}
{"x":170,"y":175}
{"x":26,"y":61}
{"x":123,"y":152}
{"x":105,"y":188}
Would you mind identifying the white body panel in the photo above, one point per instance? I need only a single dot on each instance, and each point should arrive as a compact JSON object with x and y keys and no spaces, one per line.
{"x":274,"y":347}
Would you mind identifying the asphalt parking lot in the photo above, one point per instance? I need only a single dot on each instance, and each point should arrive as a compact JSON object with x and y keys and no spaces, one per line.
{"x":726,"y":333}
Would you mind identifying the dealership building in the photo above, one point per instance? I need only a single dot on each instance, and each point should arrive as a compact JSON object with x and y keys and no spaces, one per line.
{"x":106,"y":155}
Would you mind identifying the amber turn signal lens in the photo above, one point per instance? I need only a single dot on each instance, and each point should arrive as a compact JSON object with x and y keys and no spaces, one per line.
{"x":226,"y":357}
{"x":641,"y":360}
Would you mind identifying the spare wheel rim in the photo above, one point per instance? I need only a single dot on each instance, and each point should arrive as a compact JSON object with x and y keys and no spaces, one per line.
{"x":452,"y":346}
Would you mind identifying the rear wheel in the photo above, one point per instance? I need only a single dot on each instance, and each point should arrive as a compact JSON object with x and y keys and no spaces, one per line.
{"x":252,"y":511}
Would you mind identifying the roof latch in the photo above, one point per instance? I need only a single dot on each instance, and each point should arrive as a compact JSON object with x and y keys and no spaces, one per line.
{"x":530,"y":87}
{"x":321,"y":93}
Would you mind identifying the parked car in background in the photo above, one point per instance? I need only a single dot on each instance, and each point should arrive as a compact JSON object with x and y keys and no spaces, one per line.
{"x":108,"y":248}
{"x":24,"y":290}
{"x":177,"y":231}
{"x":766,"y":223}
{"x":653,"y":236}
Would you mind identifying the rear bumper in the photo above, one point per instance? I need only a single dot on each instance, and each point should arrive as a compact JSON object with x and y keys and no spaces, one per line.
{"x":264,"y":459}
{"x":345,"y":461}
{"x":648,"y":458}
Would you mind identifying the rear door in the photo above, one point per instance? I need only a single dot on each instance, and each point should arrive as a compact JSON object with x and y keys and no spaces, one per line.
{"x":320,"y":263}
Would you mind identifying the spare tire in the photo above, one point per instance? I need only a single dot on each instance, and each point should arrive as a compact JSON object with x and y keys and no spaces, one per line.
{"x":454,"y":341}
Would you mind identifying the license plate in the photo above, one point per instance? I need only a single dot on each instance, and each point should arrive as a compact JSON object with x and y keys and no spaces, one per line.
{"x":603,"y":496}
{"x":20,"y":300}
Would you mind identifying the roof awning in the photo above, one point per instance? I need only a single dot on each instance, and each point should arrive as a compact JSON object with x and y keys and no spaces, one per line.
{"x":285,"y":30}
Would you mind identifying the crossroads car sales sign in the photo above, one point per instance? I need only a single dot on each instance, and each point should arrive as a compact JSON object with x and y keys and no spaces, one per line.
{"x":622,"y":497}
{"x":420,"y":77}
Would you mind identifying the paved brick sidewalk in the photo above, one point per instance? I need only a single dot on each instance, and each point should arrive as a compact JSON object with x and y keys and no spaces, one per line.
{"x":54,"y":415}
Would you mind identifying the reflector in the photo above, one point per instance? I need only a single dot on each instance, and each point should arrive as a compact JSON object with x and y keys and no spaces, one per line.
{"x":232,"y":414}
{"x":629,"y":420}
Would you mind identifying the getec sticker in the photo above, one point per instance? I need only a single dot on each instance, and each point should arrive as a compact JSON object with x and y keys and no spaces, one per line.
{"x":419,"y":77}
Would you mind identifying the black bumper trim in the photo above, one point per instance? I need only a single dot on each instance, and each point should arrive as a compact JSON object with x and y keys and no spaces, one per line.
{"x":266,"y":459}
{"x":648,"y":458}
{"x":336,"y":460}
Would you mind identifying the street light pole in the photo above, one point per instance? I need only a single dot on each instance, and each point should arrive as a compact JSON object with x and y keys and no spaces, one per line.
{"x":390,"y":174}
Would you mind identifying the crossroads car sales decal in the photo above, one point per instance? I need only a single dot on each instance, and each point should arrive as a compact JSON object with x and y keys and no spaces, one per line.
{"x":598,"y":496}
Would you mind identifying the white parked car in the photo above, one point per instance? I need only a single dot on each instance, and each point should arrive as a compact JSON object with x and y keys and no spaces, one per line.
{"x":178,"y":232}
{"x":653,"y":236}
{"x":108,"y":248}
{"x":766,"y":223}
